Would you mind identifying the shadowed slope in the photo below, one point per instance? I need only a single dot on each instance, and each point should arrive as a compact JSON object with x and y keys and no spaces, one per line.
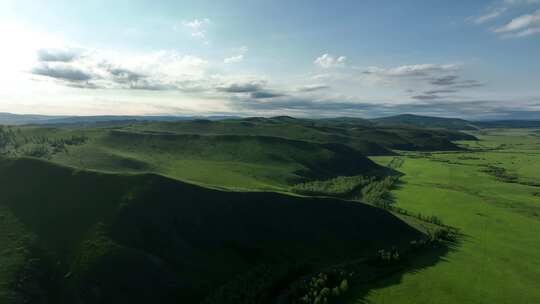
{"x":146,"y":238}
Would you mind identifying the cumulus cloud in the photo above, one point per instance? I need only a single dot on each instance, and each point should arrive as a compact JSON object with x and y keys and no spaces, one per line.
{"x":58,"y":55}
{"x":250,"y":89}
{"x":234,"y":59}
{"x":239,"y":57}
{"x":491,"y":14}
{"x":518,"y":2}
{"x":66,"y":73}
{"x":522,"y":26}
{"x":329,"y":61}
{"x":163,"y":70}
{"x":455,"y":82}
{"x":265,"y":95}
{"x":412,"y":70}
{"x":450,"y":84}
{"x":197,"y":28}
{"x":243,"y":87}
{"x":496,"y":10}
{"x":444,"y":80}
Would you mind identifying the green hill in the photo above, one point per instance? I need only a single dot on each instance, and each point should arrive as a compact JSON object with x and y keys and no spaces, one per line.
{"x":415,"y":139}
{"x":367,"y":138}
{"x":238,"y":161}
{"x":71,"y":236}
{"x":252,"y":153}
{"x":426,"y":122}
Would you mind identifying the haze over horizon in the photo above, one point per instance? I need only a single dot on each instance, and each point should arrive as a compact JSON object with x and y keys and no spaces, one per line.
{"x":461,"y":59}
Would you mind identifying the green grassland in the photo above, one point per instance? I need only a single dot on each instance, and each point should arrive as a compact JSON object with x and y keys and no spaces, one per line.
{"x":498,"y":259}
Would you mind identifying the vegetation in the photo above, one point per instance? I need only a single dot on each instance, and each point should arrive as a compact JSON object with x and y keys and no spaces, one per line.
{"x":341,"y":186}
{"x":7,"y":139}
{"x":78,"y":226}
{"x":497,"y":219}
{"x":134,"y":237}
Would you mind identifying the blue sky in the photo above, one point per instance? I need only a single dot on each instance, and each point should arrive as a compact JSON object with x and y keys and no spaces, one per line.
{"x":474,"y":59}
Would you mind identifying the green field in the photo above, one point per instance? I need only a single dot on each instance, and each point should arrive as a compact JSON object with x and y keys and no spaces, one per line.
{"x":498,"y":259}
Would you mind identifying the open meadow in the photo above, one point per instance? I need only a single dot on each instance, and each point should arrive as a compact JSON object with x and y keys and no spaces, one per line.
{"x":492,"y":194}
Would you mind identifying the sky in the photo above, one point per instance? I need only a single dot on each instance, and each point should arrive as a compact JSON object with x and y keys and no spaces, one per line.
{"x":306,"y":58}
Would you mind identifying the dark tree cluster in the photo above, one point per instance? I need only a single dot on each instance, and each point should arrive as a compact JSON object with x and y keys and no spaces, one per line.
{"x":7,"y":139}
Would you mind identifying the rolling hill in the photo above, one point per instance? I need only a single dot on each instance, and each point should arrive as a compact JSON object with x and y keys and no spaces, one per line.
{"x":72,"y":236}
{"x":236,"y":161}
{"x":252,"y":153}
{"x":367,"y":138}
{"x":426,"y":122}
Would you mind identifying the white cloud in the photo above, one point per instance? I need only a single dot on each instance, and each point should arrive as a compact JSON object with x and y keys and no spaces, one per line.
{"x":234,"y":59}
{"x":197,"y":28}
{"x":497,"y":10}
{"x":162,"y":70}
{"x":197,"y":24}
{"x":412,"y":70}
{"x":524,"y":25}
{"x":491,"y":14}
{"x":520,"y":2}
{"x":241,"y":51}
{"x":328,"y":61}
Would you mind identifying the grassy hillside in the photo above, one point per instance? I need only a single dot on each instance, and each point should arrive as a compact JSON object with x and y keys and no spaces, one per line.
{"x":235,"y":161}
{"x":414,"y":139}
{"x":426,"y":122}
{"x":74,"y":236}
{"x":365,"y":137}
{"x":253,"y":153}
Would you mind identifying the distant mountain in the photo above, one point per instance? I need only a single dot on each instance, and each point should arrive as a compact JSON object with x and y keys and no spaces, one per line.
{"x":426,"y":122}
{"x":25,"y":119}
{"x":17,"y":119}
{"x":509,"y":124}
{"x":347,"y":121}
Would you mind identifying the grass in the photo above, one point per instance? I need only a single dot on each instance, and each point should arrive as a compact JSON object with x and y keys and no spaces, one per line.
{"x":498,"y":259}
{"x":235,"y":162}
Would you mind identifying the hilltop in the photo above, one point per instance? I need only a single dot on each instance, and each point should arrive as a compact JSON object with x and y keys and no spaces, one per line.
{"x":426,"y":122}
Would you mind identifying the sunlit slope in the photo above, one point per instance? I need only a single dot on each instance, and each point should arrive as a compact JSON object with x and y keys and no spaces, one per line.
{"x":111,"y":238}
{"x":239,"y":161}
